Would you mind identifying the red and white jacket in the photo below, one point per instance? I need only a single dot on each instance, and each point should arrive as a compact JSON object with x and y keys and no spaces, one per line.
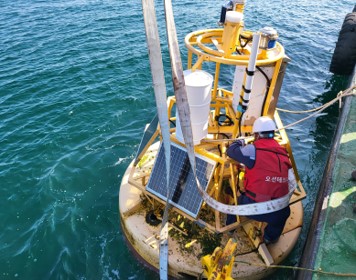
{"x":268,"y":179}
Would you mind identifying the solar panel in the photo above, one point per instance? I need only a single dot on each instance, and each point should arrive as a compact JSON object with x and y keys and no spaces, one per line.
{"x":183,"y":190}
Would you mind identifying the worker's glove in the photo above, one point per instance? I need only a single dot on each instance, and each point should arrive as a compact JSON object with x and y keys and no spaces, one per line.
{"x":239,"y":142}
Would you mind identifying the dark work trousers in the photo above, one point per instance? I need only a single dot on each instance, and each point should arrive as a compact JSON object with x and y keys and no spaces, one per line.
{"x":275,"y":220}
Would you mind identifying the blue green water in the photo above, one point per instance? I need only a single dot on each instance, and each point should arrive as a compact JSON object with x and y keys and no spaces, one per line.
{"x":75,"y":94}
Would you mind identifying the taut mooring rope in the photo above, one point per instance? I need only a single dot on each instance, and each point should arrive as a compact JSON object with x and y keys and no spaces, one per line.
{"x":319,"y":271}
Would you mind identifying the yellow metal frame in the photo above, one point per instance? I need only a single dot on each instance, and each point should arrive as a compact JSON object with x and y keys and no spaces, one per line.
{"x":200,"y":50}
{"x":225,"y":169}
{"x":197,"y":43}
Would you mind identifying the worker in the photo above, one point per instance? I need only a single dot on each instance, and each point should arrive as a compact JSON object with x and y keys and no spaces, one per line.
{"x":266,"y":175}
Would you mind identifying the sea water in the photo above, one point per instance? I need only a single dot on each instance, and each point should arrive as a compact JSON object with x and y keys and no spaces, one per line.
{"x":75,"y":95}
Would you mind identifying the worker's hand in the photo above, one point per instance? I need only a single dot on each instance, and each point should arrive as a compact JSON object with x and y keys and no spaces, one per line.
{"x":240,"y":142}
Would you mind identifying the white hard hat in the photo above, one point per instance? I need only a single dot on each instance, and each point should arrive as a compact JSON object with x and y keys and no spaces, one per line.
{"x":263,"y":124}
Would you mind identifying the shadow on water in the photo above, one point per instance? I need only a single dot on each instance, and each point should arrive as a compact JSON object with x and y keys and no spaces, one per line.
{"x":326,"y":124}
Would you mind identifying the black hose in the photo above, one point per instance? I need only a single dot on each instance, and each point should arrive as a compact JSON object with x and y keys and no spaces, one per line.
{"x":267,"y":88}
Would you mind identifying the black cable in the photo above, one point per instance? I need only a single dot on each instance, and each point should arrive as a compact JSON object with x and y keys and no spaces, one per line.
{"x":267,"y":88}
{"x":242,"y":114}
{"x":220,"y":152}
{"x":248,"y":40}
{"x":172,"y":122}
{"x":225,"y":135}
{"x":224,"y":123}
